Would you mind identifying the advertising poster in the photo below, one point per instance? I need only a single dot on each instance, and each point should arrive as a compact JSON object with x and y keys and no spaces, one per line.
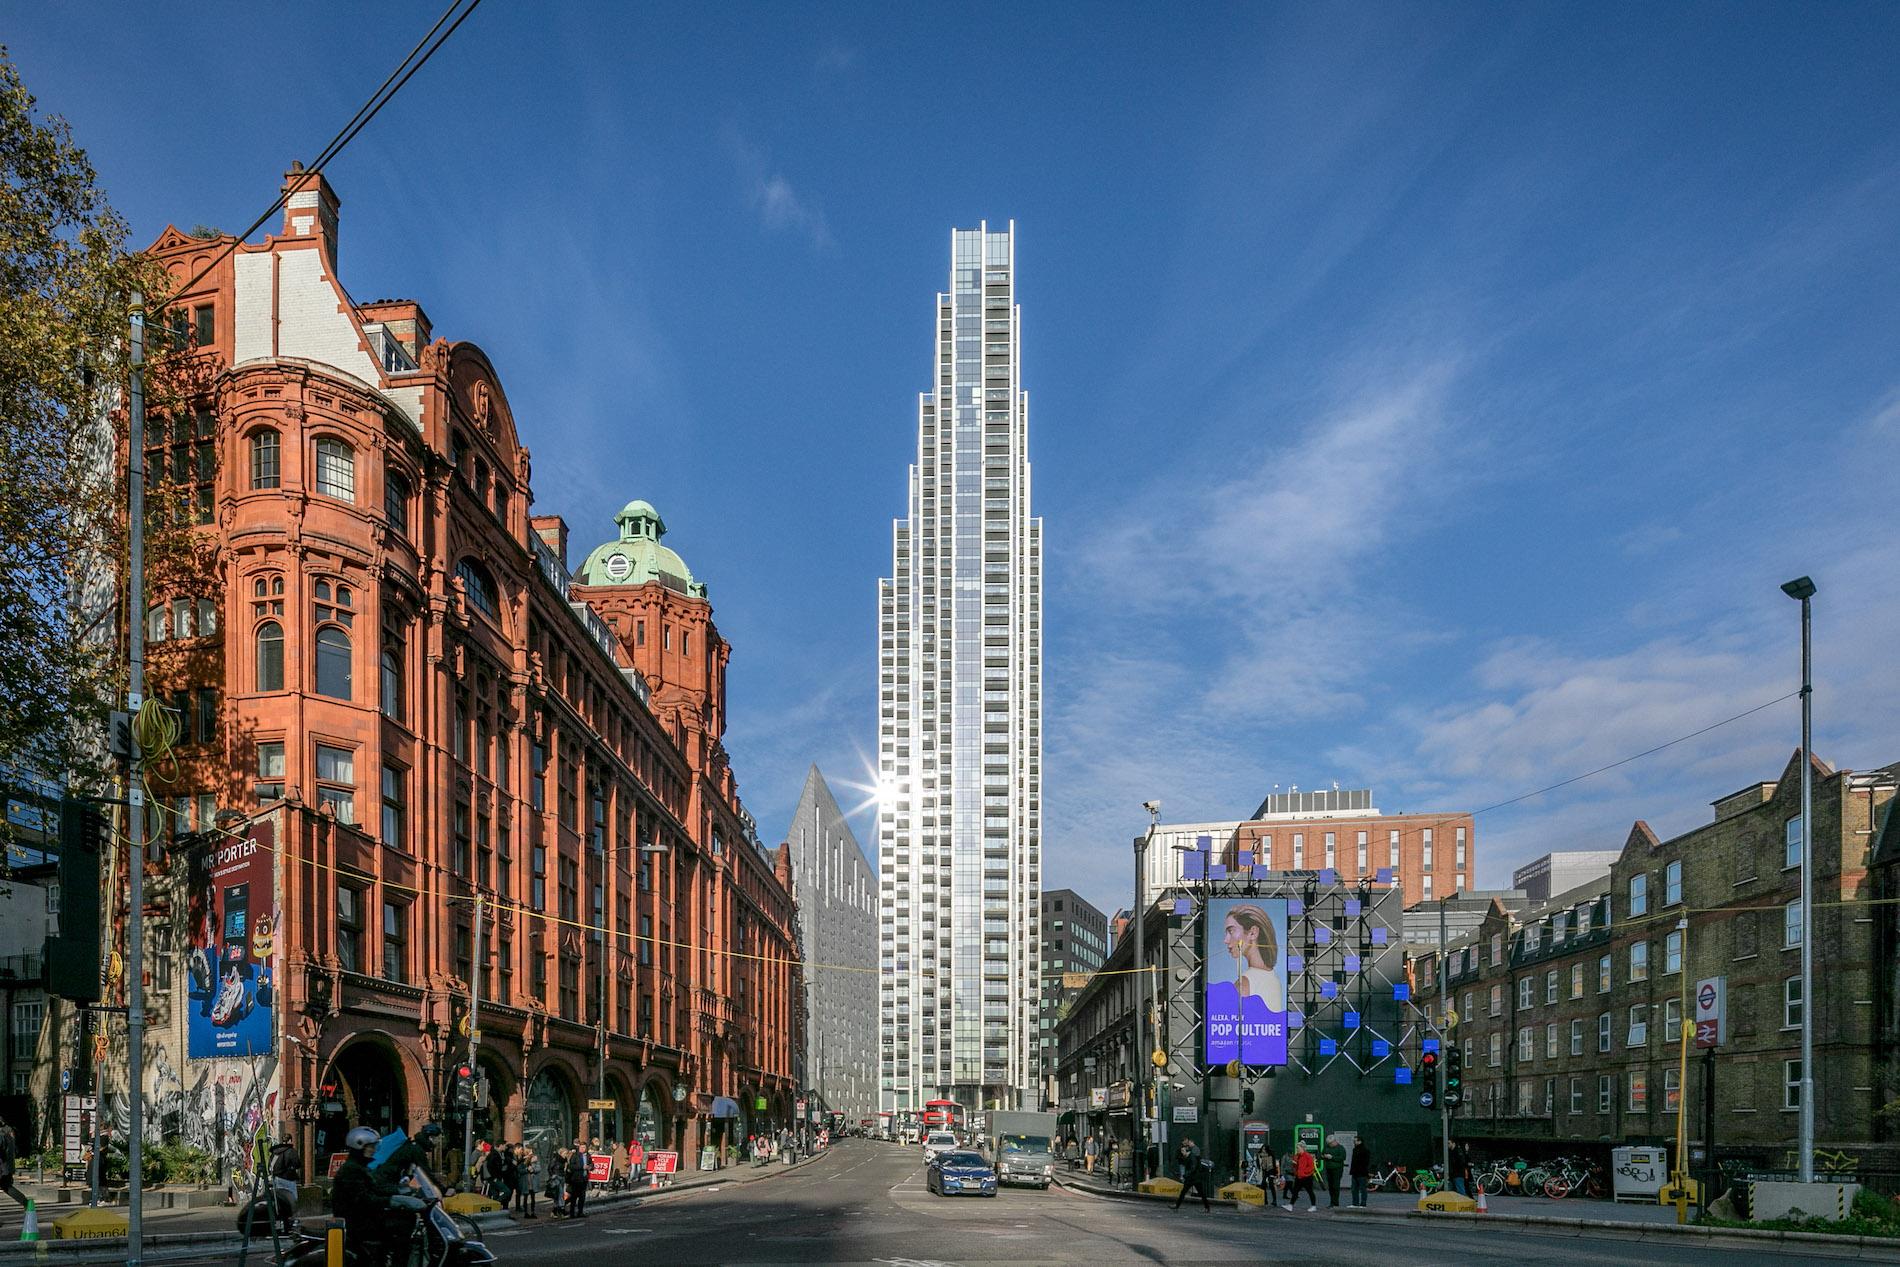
{"x":1245,"y":1003}
{"x":231,"y":970}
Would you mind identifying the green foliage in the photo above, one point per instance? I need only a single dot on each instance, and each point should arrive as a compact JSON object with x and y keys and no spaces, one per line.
{"x":1871,"y":1215}
{"x":65,"y":282}
{"x":182,"y":1163}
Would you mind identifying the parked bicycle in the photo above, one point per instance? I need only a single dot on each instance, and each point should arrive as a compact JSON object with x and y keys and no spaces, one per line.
{"x":1393,"y":1176}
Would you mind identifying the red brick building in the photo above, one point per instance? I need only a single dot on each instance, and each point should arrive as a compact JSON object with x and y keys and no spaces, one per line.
{"x":382,"y":639}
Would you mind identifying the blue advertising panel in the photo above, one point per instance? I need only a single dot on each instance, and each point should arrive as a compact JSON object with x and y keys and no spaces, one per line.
{"x":231,"y":971}
{"x":1245,"y":1003}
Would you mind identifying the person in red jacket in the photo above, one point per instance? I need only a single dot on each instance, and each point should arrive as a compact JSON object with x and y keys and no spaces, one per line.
{"x":1303,"y":1168}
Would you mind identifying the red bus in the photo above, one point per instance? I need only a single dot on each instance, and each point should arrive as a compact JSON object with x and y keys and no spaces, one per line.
{"x":944,"y":1115}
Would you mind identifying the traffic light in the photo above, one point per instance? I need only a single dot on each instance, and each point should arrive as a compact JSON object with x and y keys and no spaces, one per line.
{"x":72,"y":955}
{"x":1428,"y":1075}
{"x":1454,"y":1076}
{"x":464,"y":1087}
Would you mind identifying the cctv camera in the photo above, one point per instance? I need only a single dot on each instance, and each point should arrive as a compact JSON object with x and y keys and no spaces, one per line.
{"x":1153,"y":807}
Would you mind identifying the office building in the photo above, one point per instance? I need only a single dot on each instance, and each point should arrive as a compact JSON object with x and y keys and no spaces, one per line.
{"x":836,"y":893}
{"x":960,"y":716}
{"x":1074,"y":944}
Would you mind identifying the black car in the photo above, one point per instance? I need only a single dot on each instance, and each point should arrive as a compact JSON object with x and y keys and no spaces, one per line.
{"x":955,"y":1173}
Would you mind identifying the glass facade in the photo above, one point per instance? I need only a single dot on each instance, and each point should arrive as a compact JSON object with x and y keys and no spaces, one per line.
{"x":960,"y":736}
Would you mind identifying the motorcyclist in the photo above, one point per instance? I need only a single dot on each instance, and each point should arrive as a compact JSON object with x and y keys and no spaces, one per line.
{"x":413,"y":1151}
{"x":359,"y":1198}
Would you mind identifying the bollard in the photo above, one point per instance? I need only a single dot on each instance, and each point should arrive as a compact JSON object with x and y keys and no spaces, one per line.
{"x":333,"y":1247}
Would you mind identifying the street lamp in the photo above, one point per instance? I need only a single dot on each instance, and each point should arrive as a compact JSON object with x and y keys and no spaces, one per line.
{"x":1801,"y":589}
{"x":651,"y":847}
{"x":1142,"y":1046}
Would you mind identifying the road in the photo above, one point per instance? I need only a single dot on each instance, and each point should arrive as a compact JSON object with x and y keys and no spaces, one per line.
{"x":865,"y":1202}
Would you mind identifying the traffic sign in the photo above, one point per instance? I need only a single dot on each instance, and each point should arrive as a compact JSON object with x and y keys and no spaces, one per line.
{"x":603,"y":1106}
{"x":1711,"y":1012}
{"x":1426,"y":1099}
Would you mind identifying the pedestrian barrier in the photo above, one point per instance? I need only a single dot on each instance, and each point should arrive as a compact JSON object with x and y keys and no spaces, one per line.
{"x":1447,"y":1202}
{"x":1244,"y":1193}
{"x":89,"y":1225}
{"x":1161,"y":1187}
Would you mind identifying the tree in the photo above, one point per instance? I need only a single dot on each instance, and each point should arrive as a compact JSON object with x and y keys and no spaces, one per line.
{"x":65,"y":282}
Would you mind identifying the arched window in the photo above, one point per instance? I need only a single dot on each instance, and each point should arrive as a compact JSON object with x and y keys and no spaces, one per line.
{"x":264,"y":459}
{"x":270,"y":656}
{"x":396,"y":502}
{"x":480,"y":585}
{"x":157,"y":623}
{"x":336,"y":469}
{"x":333,"y":663}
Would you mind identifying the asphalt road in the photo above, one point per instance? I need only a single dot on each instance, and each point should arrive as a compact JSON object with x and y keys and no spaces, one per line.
{"x":865,"y":1202}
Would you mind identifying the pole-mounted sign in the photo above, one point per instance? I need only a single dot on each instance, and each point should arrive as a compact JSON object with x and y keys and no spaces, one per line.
{"x":1711,"y":1012}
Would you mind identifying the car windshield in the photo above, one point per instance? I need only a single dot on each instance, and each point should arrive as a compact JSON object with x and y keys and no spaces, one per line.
{"x":951,"y":1140}
{"x":963,"y":1159}
{"x":1025,"y":1143}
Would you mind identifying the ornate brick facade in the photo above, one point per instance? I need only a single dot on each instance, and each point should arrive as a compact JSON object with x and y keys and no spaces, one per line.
{"x":389,"y":646}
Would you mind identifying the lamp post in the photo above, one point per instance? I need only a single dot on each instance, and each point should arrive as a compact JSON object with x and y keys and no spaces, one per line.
{"x":1142,"y":1046}
{"x":1801,"y":589}
{"x":648,"y":849}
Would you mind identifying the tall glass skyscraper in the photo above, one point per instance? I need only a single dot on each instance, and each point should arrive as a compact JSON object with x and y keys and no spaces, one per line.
{"x":960,"y":717}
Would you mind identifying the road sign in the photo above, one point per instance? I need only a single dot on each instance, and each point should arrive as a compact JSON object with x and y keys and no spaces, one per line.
{"x":1711,"y":1012}
{"x":65,"y":1080}
{"x":604,"y":1106}
{"x":663,"y":1163}
{"x":1426,"y":1099}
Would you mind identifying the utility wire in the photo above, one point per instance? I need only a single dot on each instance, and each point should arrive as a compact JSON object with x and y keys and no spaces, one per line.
{"x":385,"y":92}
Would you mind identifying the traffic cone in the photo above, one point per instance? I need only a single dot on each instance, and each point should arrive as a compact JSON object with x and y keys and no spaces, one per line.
{"x":30,"y":1228}
{"x":1482,"y":1207}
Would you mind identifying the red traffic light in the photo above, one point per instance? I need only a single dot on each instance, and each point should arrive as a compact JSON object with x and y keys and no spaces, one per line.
{"x":463,"y":1071}
{"x":1429,"y":1060}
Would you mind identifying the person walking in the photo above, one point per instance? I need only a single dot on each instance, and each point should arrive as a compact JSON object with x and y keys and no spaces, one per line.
{"x":1335,"y":1161}
{"x":579,"y":1165}
{"x":1459,"y":1178}
{"x":1190,"y":1168}
{"x":636,"y":1162}
{"x":527,"y":1180}
{"x":1090,"y":1151}
{"x":9,"y":1162}
{"x":1361,"y":1167}
{"x":557,"y":1183}
{"x":1304,"y":1168}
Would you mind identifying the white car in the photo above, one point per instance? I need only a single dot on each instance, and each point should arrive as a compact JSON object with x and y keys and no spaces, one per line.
{"x":939,"y":1142}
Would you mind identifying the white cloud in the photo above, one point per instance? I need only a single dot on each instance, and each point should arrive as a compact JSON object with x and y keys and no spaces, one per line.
{"x":781,"y":207}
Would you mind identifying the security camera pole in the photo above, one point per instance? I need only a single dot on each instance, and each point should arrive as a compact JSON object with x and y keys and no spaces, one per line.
{"x":1143,"y":1047}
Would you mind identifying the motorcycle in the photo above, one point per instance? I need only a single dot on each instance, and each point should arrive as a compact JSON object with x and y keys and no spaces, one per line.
{"x":436,"y":1238}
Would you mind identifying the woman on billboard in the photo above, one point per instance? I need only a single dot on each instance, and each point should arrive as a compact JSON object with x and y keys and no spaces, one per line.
{"x":1248,"y":935}
{"x":1246,"y":1017}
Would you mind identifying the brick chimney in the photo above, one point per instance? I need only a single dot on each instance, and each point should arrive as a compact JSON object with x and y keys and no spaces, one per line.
{"x":310,"y":208}
{"x":552,"y":529}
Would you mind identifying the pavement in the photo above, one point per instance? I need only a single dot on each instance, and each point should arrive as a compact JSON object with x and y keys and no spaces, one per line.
{"x":864,"y":1202}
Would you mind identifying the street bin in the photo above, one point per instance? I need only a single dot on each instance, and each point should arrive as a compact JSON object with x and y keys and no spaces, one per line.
{"x":1638,"y":1174}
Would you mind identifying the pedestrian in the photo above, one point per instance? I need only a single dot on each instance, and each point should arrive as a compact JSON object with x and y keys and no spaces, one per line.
{"x":1460,"y":1169}
{"x":1361,"y":1166}
{"x":557,"y":1183}
{"x":636,"y":1162}
{"x":618,"y":1165}
{"x":527,"y":1181}
{"x":9,"y":1160}
{"x":494,"y":1167}
{"x":1189,"y":1167}
{"x":1335,"y":1161}
{"x":1271,"y":1178}
{"x":1304,"y":1167}
{"x":1090,"y":1151}
{"x":579,"y":1166}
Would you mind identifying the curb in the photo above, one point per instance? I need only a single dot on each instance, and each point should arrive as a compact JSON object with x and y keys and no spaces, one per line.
{"x":1120,"y":1194}
{"x":1872,"y":1249}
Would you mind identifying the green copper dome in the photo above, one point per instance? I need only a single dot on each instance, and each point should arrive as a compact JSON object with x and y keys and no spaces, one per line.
{"x":637,"y":557}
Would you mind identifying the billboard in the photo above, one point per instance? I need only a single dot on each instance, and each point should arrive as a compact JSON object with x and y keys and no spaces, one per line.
{"x":231,"y":970}
{"x":1244,"y":1007}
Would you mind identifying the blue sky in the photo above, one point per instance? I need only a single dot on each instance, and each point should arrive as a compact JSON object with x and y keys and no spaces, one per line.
{"x":1427,"y":397}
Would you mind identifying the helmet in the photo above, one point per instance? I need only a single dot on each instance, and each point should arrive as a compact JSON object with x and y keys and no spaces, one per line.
{"x":428,"y":1132}
{"x":362,"y":1138}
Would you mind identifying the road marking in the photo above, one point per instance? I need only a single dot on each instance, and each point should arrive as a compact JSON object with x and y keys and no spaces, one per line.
{"x":623,"y":1231}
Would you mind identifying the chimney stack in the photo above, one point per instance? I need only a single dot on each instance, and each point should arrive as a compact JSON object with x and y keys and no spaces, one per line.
{"x":310,"y":208}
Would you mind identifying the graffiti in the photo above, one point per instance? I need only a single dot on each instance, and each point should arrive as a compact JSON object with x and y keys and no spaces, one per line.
{"x":1826,"y":1161}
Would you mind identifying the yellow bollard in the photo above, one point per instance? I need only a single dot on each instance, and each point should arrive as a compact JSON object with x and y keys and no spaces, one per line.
{"x":333,"y":1247}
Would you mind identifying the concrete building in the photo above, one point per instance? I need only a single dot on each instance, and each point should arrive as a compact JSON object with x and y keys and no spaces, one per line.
{"x":1554,"y":873}
{"x":1457,"y":916}
{"x":1571,"y":1014}
{"x":1074,"y":944}
{"x":836,"y":891}
{"x":1427,"y":855}
{"x":960,"y":716}
{"x":493,"y":796}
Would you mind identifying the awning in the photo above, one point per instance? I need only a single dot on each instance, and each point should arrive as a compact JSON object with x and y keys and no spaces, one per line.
{"x":725,"y":1106}
{"x":1066,"y":1118}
